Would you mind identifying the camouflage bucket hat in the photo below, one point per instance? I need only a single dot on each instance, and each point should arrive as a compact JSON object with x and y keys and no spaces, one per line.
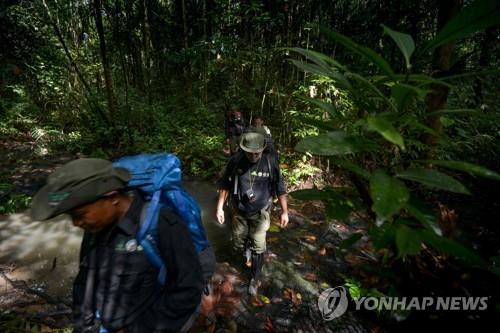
{"x":77,"y":183}
{"x":252,"y":142}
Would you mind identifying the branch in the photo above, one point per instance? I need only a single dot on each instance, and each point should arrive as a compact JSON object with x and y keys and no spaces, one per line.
{"x":73,"y":63}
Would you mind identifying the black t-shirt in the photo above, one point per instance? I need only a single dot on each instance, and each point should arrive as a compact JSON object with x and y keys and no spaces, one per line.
{"x":252,"y":185}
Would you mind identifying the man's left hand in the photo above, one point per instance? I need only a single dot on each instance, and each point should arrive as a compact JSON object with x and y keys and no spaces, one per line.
{"x":284,"y":219}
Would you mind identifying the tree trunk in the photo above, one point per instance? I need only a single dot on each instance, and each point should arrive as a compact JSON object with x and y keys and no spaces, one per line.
{"x":486,"y":46}
{"x":436,"y":100}
{"x":105,"y":64}
{"x":147,"y":49}
{"x":73,"y":64}
{"x":187,"y":66}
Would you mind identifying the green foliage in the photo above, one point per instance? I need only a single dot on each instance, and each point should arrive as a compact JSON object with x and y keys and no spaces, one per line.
{"x":390,"y":104}
{"x":14,"y":203}
{"x":480,"y":15}
{"x":404,"y":42}
{"x":433,"y":179}
{"x":356,"y":290}
{"x":389,"y":195}
{"x":299,"y":171}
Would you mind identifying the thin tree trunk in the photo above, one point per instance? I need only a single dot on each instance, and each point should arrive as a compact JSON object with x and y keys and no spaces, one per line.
{"x":438,"y":96}
{"x":187,"y":66}
{"x":91,"y":99}
{"x":484,"y":59}
{"x":105,"y":64}
{"x":147,"y":49}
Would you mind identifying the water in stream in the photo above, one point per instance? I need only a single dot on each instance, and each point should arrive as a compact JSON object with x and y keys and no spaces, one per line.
{"x":45,"y":254}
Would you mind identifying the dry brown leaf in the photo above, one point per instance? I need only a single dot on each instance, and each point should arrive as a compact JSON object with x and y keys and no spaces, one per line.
{"x":256,"y":302}
{"x":311,"y":277}
{"x":310,"y":238}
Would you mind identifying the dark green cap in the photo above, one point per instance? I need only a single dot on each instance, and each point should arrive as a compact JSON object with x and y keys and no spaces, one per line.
{"x":77,"y":183}
{"x":252,"y":142}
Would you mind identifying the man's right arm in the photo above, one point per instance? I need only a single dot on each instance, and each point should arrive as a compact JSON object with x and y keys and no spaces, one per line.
{"x":225,"y":184}
{"x":223,"y":194}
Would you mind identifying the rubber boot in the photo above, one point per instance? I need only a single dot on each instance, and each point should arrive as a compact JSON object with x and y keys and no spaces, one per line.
{"x":256,"y":269}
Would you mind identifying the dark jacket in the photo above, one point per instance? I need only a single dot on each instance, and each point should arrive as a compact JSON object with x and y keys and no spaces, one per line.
{"x":263,"y":178}
{"x":117,"y":280}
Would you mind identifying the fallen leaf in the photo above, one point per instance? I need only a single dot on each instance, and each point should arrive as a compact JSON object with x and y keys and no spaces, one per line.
{"x":292,"y":295}
{"x":311,"y":277}
{"x":256,"y":302}
{"x":227,"y":288}
{"x":352,"y":260}
{"x":269,"y":327}
{"x":324,"y":285}
{"x":310,"y":238}
{"x":264,"y":299}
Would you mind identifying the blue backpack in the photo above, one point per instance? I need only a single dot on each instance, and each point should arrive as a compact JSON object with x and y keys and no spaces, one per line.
{"x":158,"y":177}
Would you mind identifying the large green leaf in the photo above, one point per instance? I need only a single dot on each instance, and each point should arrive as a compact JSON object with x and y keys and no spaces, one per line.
{"x":350,"y":241}
{"x":385,"y":128}
{"x":339,"y":79}
{"x":480,"y":15}
{"x":311,"y":68}
{"x":467,"y":167}
{"x":404,"y":42}
{"x":366,"y":52}
{"x":421,"y":79}
{"x":338,"y":206}
{"x":310,"y":194}
{"x":403,"y":94}
{"x":450,"y":111}
{"x":373,"y":88}
{"x":434,"y":179}
{"x":318,"y":58}
{"x":334,"y":143}
{"x":408,"y":241}
{"x":328,"y":107}
{"x":424,"y":214}
{"x":451,"y":247}
{"x":384,"y":236}
{"x":388,"y":194}
{"x":321,"y":124}
{"x":351,"y":167}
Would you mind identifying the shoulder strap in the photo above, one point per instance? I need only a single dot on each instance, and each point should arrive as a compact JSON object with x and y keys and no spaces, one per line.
{"x":234,"y":174}
{"x":147,"y":235}
{"x":273,"y":173}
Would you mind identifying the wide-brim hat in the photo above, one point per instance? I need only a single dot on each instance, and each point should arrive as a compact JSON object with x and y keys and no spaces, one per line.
{"x":77,"y":183}
{"x":252,"y":142}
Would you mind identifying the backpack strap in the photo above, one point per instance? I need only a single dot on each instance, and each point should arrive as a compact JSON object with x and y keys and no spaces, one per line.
{"x":273,"y":174}
{"x":147,"y":235}
{"x":148,"y":218}
{"x":234,"y":173}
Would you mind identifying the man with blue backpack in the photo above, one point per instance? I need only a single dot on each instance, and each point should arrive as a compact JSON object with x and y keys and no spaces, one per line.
{"x":144,"y":259}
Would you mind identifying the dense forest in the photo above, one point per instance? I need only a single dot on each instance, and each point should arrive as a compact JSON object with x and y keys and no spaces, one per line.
{"x":385,"y":115}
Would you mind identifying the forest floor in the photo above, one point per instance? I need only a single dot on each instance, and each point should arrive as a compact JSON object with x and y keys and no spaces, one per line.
{"x":302,"y":261}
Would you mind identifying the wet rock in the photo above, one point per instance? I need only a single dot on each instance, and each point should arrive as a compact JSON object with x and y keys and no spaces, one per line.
{"x":281,"y":274}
